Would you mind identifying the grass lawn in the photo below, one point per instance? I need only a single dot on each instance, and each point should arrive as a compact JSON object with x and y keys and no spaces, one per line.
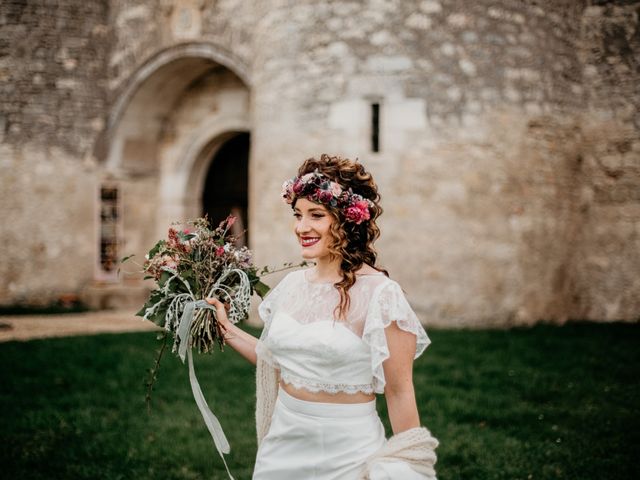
{"x":540,"y":403}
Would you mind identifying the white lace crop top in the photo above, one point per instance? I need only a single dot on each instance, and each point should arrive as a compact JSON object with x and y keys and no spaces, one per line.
{"x":315,"y":352}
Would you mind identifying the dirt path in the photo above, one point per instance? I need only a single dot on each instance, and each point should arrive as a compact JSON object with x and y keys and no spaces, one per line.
{"x":27,"y":327}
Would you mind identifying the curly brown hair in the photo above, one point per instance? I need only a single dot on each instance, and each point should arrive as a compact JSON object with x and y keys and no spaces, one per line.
{"x":352,"y":243}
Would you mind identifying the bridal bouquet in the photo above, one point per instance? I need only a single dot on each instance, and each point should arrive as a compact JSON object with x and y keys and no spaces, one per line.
{"x":189,"y":266}
{"x":194,"y":264}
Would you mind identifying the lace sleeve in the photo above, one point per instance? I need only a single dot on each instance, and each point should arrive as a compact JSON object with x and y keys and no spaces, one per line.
{"x":388,"y":304}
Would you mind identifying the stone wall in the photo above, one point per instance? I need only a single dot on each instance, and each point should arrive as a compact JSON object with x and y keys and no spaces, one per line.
{"x":508,"y":166}
{"x":53,"y":73}
{"x":607,"y":266}
{"x":63,"y":66}
{"x":143,"y":28}
{"x":481,"y":161}
{"x":52,"y":106}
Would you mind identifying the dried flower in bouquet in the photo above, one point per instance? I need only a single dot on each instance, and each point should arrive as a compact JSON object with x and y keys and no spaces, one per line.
{"x":194,"y":264}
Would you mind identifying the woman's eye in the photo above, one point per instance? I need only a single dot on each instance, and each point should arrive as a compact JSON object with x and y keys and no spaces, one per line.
{"x":313,"y":215}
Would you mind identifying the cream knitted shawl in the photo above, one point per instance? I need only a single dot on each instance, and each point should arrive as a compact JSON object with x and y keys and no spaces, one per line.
{"x":415,"y":446}
{"x":266,"y":395}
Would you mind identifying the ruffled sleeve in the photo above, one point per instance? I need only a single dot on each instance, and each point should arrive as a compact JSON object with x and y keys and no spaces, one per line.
{"x":266,"y":310}
{"x":389,"y":304}
{"x":267,"y":307}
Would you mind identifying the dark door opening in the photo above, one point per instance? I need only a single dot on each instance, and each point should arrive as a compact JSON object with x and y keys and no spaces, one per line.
{"x":226,"y":185}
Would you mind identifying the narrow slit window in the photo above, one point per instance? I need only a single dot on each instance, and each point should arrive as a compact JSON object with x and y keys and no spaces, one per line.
{"x":109,"y":220}
{"x":375,"y":127}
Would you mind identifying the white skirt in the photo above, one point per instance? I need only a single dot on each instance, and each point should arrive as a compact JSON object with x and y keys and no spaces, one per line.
{"x":318,"y":441}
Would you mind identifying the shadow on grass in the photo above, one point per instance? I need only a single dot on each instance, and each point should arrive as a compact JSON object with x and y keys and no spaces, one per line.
{"x":545,"y":402}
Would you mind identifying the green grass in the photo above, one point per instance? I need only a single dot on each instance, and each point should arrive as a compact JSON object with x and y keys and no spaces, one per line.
{"x":540,"y":403}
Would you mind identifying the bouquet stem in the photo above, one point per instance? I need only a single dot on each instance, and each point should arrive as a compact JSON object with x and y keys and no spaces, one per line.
{"x":204,"y":331}
{"x":153,"y":372}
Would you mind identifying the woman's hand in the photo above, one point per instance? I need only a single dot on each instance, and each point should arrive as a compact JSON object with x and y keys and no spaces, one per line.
{"x":221,"y":312}
{"x":244,"y":343}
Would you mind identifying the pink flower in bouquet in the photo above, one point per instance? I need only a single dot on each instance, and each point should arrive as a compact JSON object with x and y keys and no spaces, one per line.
{"x":219,"y":251}
{"x":170,"y":262}
{"x":173,"y":239}
{"x":230,"y":221}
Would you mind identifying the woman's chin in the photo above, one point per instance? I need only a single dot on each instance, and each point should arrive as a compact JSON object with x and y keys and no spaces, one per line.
{"x":307,"y":255}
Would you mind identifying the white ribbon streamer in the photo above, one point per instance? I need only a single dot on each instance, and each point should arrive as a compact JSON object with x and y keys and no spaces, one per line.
{"x":212,"y":422}
{"x":239,"y":298}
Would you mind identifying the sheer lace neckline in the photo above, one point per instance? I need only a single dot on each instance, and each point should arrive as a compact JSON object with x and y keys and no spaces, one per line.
{"x":330,"y":283}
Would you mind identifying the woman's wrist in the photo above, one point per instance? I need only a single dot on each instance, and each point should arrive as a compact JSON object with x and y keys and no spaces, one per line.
{"x":226,"y":331}
{"x":228,"y":336}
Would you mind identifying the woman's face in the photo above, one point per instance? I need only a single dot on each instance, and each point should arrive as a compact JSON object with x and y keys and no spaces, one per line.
{"x":312,"y":223}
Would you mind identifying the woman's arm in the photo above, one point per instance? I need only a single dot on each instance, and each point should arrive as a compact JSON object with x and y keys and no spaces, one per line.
{"x":398,"y":372}
{"x":242,"y":342}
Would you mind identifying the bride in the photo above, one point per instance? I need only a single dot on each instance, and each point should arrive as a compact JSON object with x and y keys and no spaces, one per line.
{"x":334,"y":336}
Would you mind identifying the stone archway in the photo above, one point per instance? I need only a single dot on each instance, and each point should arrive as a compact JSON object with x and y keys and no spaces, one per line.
{"x":191,"y":59}
{"x":152,"y":91}
{"x":175,"y":112}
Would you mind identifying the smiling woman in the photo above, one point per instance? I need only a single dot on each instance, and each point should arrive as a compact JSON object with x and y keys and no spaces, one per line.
{"x":334,"y":336}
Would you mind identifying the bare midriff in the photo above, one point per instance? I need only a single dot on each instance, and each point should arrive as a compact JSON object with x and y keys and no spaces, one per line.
{"x":326,"y":397}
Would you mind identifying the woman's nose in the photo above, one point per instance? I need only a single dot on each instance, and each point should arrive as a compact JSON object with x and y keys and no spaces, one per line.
{"x":302,"y":226}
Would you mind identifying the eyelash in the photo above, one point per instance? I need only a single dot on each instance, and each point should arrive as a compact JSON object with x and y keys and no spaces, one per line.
{"x":314,"y":215}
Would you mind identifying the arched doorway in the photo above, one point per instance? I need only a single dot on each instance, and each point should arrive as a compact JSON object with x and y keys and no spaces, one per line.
{"x":176,"y":113}
{"x":226,"y":185}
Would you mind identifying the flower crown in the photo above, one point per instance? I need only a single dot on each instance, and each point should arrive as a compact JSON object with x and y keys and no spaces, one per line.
{"x":318,"y":188}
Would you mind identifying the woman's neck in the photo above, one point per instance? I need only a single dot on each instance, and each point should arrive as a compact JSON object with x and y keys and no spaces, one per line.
{"x":327,"y":270}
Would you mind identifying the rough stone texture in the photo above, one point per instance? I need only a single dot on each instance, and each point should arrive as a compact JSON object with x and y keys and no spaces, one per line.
{"x":52,"y":79}
{"x":53,"y":73}
{"x":483,"y":144}
{"x":607,"y":264}
{"x":509,"y":163}
{"x":47,"y":206}
{"x":143,"y":28}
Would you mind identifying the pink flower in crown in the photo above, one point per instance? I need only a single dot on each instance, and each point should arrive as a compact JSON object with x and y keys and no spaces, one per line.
{"x":336,"y":189}
{"x":324,"y":196}
{"x":358,"y":212}
{"x":298,"y":186}
{"x":287,"y":191}
{"x":307,"y":177}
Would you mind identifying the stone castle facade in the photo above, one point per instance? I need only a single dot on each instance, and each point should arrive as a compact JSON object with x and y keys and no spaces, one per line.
{"x":504,"y":136}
